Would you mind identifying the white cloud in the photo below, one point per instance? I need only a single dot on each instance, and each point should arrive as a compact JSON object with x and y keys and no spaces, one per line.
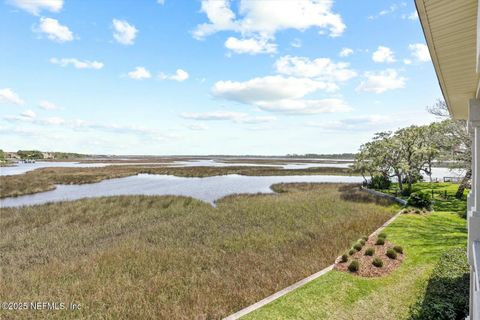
{"x":296,"y":43}
{"x":79,"y":64}
{"x":162,"y":2}
{"x":320,"y":68}
{"x":407,"y":61}
{"x":197,"y":127}
{"x":139,"y":73}
{"x":382,"y":81}
{"x":394,"y":7}
{"x":269,"y":88}
{"x":124,"y":33}
{"x":345,"y":52}
{"x":54,"y":30}
{"x":29,"y":114}
{"x":420,"y":52}
{"x":250,"y":46}
{"x":383,"y":54}
{"x":412,"y":16}
{"x":358,"y":123}
{"x":56,"y":121}
{"x":304,"y":106}
{"x":8,"y":96}
{"x":47,"y":105}
{"x":36,"y":6}
{"x":263,"y":19}
{"x":180,"y":75}
{"x":237,"y":117}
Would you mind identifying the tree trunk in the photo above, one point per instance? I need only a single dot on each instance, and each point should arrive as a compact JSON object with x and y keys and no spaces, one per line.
{"x":400,"y":182}
{"x":463,"y":184}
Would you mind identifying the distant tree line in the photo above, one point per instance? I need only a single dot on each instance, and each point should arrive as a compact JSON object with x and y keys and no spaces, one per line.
{"x":409,"y":152}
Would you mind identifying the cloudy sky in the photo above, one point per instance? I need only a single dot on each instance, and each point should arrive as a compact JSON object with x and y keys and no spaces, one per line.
{"x":209,"y":77}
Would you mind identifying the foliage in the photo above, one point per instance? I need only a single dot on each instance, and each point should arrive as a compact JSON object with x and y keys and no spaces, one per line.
{"x":2,"y":155}
{"x":357,"y":246}
{"x":351,"y":251}
{"x":30,"y":154}
{"x":353,"y":266}
{"x":344,"y":258}
{"x":361,"y":241}
{"x":379,"y":182}
{"x":420,"y":200}
{"x":369,"y":251}
{"x":382,"y":235}
{"x":380,"y":241}
{"x":447,"y":291}
{"x":391,"y":254}
{"x":377,"y":262}
{"x":398,"y":249}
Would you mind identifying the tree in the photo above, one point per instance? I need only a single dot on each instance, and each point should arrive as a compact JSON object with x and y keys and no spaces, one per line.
{"x":455,"y":143}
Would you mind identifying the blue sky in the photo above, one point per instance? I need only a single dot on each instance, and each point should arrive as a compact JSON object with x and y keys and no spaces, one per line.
{"x":209,"y":77}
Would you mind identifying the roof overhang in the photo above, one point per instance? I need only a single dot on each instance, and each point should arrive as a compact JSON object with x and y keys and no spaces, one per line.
{"x":450,"y":28}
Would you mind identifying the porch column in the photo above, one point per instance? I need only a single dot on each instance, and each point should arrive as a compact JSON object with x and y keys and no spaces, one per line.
{"x":473,"y":214}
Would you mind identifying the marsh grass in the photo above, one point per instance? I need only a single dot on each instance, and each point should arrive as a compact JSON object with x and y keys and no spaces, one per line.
{"x":45,"y":179}
{"x":165,"y":257}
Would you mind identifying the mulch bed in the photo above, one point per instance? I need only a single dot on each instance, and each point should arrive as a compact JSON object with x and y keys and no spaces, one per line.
{"x":367,"y":269}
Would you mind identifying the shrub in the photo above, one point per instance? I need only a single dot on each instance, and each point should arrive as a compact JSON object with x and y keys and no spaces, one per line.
{"x":447,"y":291}
{"x":377,"y":262}
{"x":382,"y":235}
{"x":379,"y":182}
{"x":352,"y":251}
{"x":344,"y":258}
{"x":365,"y":238}
{"x":362,"y":242}
{"x":353,"y":266}
{"x":391,"y":254}
{"x":417,"y":211}
{"x":357,"y":246}
{"x":369,"y":252}
{"x":420,"y":200}
{"x":380,"y":241}
{"x":398,"y":249}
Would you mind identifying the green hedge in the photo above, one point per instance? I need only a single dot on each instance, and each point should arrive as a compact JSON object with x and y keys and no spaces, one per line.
{"x":447,"y":291}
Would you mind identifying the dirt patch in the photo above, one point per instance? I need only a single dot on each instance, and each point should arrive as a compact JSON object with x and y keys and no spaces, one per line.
{"x":366,"y":268}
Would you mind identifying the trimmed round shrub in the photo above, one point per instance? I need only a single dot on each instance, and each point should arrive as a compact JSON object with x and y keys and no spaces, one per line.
{"x":377,"y":262}
{"x":353,"y":266}
{"x":369,"y":251}
{"x":398,"y":249}
{"x":391,"y":254}
{"x":344,"y":258}
{"x":382,"y":235}
{"x":420,"y":200}
{"x":352,"y":251}
{"x":380,"y":241}
{"x":357,"y":246}
{"x":362,"y":242}
{"x":365,"y":238}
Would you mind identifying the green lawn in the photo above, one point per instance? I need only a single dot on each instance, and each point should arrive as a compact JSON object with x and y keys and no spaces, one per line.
{"x":443,"y":195}
{"x":339,"y":295}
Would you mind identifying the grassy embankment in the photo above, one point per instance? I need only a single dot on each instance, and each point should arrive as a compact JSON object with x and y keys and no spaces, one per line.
{"x":166,"y":257}
{"x":45,"y":179}
{"x":339,"y":295}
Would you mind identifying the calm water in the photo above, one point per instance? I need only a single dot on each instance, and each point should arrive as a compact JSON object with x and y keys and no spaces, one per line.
{"x":21,"y":168}
{"x":214,"y":163}
{"x":208,"y":189}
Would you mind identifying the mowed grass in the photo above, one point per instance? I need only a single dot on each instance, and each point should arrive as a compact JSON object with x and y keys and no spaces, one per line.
{"x":442,"y":193}
{"x":45,"y":179}
{"x":165,"y":257}
{"x":339,"y":295}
